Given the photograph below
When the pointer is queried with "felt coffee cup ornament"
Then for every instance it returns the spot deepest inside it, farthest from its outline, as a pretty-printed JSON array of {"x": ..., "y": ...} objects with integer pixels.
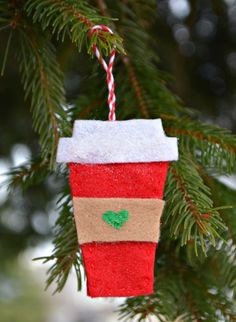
[{"x": 117, "y": 176}]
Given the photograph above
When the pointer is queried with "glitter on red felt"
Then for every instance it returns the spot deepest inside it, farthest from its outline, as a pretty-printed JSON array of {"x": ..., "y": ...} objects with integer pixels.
[
  {"x": 119, "y": 269},
  {"x": 127, "y": 180}
]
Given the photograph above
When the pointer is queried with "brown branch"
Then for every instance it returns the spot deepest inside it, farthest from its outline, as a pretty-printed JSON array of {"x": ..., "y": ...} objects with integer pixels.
[
  {"x": 129, "y": 67},
  {"x": 89, "y": 108},
  {"x": 44, "y": 82},
  {"x": 19, "y": 176},
  {"x": 192, "y": 307},
  {"x": 75, "y": 13},
  {"x": 200, "y": 136},
  {"x": 85, "y": 20},
  {"x": 136, "y": 86},
  {"x": 191, "y": 205},
  {"x": 103, "y": 8},
  {"x": 216, "y": 197},
  {"x": 68, "y": 260}
]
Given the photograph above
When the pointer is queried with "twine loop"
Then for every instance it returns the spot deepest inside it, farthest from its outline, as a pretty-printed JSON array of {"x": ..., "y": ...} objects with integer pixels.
[{"x": 108, "y": 68}]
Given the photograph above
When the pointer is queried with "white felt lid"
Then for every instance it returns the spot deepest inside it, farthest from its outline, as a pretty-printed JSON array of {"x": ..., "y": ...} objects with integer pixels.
[{"x": 117, "y": 142}]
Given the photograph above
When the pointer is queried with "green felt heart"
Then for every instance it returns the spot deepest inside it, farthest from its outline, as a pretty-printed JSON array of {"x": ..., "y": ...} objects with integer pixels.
[{"x": 116, "y": 219}]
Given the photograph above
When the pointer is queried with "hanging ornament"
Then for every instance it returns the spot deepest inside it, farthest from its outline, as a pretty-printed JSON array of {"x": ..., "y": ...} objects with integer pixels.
[{"x": 117, "y": 176}]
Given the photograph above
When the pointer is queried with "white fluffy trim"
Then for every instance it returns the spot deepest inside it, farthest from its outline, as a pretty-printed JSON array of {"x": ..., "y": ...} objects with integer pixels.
[{"x": 117, "y": 142}]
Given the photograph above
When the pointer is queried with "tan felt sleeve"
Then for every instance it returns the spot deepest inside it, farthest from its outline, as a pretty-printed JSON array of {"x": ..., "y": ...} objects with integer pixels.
[{"x": 143, "y": 223}]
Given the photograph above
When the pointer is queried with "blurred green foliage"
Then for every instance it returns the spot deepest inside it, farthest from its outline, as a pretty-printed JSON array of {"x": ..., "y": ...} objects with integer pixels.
[{"x": 20, "y": 296}]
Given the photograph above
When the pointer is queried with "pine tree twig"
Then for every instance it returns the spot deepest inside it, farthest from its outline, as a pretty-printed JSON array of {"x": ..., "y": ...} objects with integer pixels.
[
  {"x": 59, "y": 272},
  {"x": 65, "y": 7},
  {"x": 192, "y": 308},
  {"x": 43, "y": 81},
  {"x": 146, "y": 99},
  {"x": 6, "y": 53},
  {"x": 75, "y": 20},
  {"x": 192, "y": 206},
  {"x": 8, "y": 20},
  {"x": 136, "y": 87},
  {"x": 180, "y": 286},
  {"x": 83, "y": 19},
  {"x": 190, "y": 217},
  {"x": 213, "y": 183},
  {"x": 90, "y": 107},
  {"x": 46, "y": 91},
  {"x": 201, "y": 136},
  {"x": 213, "y": 147},
  {"x": 66, "y": 253},
  {"x": 187, "y": 202},
  {"x": 130, "y": 69},
  {"x": 27, "y": 175}
]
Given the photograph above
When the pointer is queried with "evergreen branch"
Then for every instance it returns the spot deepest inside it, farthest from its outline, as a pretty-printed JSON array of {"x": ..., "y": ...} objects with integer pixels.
[
  {"x": 130, "y": 70},
  {"x": 73, "y": 19},
  {"x": 189, "y": 210},
  {"x": 28, "y": 174},
  {"x": 5, "y": 13},
  {"x": 6, "y": 53},
  {"x": 145, "y": 86},
  {"x": 212, "y": 146},
  {"x": 136, "y": 87},
  {"x": 43, "y": 82},
  {"x": 8, "y": 20},
  {"x": 66, "y": 254},
  {"x": 222, "y": 192},
  {"x": 227, "y": 265},
  {"x": 181, "y": 286},
  {"x": 42, "y": 79},
  {"x": 182, "y": 289},
  {"x": 220, "y": 136}
]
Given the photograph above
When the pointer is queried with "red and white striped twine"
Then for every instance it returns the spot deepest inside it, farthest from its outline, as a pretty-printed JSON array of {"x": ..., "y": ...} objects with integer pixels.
[{"x": 108, "y": 68}]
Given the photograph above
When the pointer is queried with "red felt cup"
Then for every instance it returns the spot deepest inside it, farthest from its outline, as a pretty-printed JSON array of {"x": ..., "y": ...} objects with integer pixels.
[
  {"x": 125, "y": 160},
  {"x": 119, "y": 268},
  {"x": 121, "y": 180}
]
